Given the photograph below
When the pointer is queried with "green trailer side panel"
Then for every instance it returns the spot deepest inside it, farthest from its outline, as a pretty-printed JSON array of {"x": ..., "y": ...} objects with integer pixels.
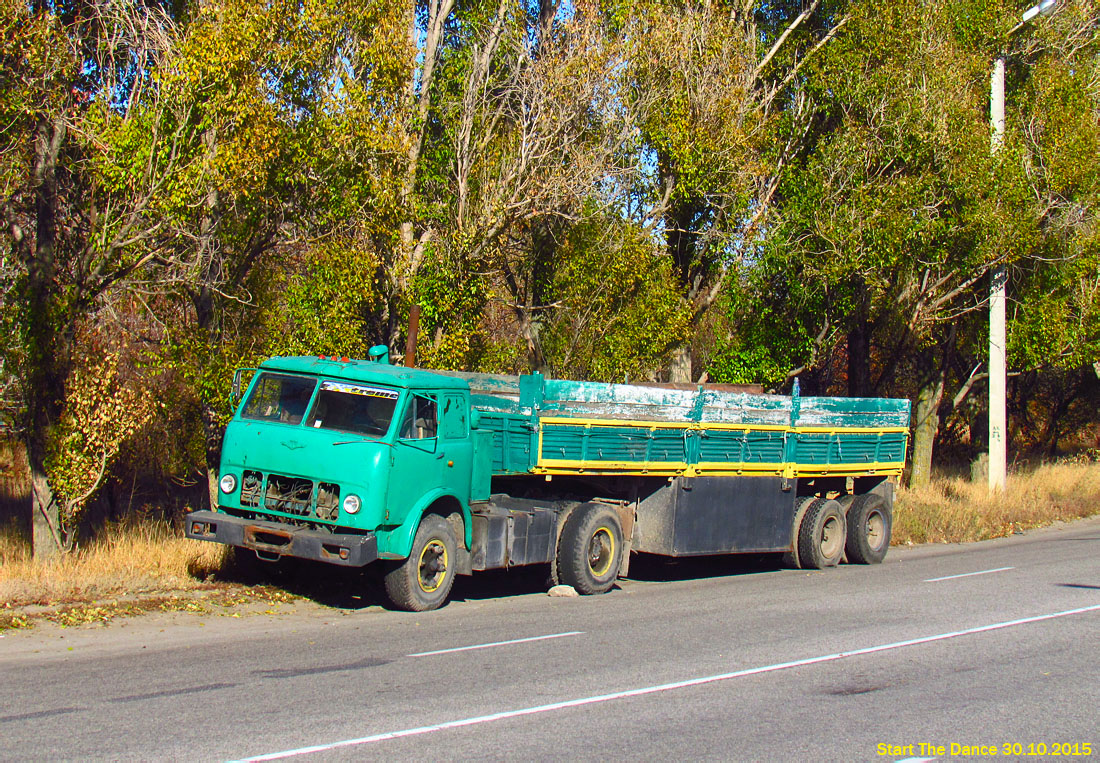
[
  {"x": 623, "y": 444},
  {"x": 742, "y": 446},
  {"x": 511, "y": 441},
  {"x": 847, "y": 447}
]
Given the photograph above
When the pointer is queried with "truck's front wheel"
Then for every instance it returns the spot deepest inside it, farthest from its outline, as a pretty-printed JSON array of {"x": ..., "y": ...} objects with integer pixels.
[
  {"x": 424, "y": 580},
  {"x": 591, "y": 548}
]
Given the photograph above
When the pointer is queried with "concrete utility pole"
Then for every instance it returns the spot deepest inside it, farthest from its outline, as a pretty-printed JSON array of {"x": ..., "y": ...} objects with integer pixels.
[
  {"x": 998, "y": 369},
  {"x": 998, "y": 280}
]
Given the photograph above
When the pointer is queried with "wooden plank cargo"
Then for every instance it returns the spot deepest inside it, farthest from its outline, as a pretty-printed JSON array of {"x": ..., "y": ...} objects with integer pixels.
[{"x": 558, "y": 427}]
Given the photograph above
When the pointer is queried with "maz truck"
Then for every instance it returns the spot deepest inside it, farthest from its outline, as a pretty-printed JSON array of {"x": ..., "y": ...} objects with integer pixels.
[{"x": 434, "y": 474}]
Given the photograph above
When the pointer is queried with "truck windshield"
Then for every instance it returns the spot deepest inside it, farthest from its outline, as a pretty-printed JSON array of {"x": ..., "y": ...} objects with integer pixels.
[
  {"x": 279, "y": 397},
  {"x": 353, "y": 408}
]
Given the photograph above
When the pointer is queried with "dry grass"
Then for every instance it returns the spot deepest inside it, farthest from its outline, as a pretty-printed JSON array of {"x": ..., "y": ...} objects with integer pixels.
[
  {"x": 130, "y": 570},
  {"x": 959, "y": 511},
  {"x": 125, "y": 561}
]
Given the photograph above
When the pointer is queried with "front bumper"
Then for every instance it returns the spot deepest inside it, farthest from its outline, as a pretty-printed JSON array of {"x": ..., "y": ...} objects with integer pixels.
[{"x": 278, "y": 539}]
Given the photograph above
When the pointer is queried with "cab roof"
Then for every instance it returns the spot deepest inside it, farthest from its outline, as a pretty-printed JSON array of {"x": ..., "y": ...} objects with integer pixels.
[{"x": 364, "y": 371}]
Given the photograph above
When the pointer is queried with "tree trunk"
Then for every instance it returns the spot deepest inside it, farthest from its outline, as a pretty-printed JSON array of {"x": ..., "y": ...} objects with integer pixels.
[
  {"x": 926, "y": 426},
  {"x": 679, "y": 369},
  {"x": 530, "y": 329},
  {"x": 212, "y": 487},
  {"x": 45, "y": 538},
  {"x": 1068, "y": 391},
  {"x": 859, "y": 343},
  {"x": 859, "y": 360},
  {"x": 50, "y": 333},
  {"x": 418, "y": 88},
  {"x": 213, "y": 433}
]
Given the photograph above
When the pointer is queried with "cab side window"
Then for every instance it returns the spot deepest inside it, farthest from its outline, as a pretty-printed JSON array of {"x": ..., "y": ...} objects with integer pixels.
[
  {"x": 420, "y": 422},
  {"x": 454, "y": 417}
]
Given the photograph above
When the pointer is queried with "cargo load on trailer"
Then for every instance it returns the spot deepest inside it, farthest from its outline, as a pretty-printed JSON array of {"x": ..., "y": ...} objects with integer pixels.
[{"x": 434, "y": 474}]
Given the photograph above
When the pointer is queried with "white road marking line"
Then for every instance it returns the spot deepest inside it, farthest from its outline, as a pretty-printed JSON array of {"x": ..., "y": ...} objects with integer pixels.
[
  {"x": 495, "y": 643},
  {"x": 661, "y": 687},
  {"x": 968, "y": 574}
]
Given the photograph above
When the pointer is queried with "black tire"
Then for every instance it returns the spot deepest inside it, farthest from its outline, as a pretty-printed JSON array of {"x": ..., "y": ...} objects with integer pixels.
[
  {"x": 845, "y": 502},
  {"x": 822, "y": 536},
  {"x": 869, "y": 524},
  {"x": 423, "y": 581},
  {"x": 790, "y": 558},
  {"x": 590, "y": 550}
]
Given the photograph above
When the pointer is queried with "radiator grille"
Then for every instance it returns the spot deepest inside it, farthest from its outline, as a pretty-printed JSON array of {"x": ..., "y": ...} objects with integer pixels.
[
  {"x": 290, "y": 495},
  {"x": 328, "y": 500},
  {"x": 252, "y": 484}
]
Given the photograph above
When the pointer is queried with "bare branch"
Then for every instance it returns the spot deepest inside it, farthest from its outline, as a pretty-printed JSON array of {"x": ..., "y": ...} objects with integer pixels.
[{"x": 783, "y": 38}]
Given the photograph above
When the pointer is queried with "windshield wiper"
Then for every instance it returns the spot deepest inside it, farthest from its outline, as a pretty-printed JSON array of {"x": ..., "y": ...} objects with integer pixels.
[{"x": 364, "y": 439}]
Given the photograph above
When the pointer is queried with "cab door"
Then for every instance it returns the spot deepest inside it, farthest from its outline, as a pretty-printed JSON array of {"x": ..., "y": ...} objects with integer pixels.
[
  {"x": 417, "y": 466},
  {"x": 455, "y": 444}
]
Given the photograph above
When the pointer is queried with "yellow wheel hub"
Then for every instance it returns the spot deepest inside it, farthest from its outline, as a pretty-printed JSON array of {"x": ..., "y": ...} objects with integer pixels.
[
  {"x": 432, "y": 566},
  {"x": 601, "y": 551}
]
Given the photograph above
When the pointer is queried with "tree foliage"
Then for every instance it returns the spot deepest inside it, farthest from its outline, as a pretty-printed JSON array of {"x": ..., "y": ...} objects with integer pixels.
[{"x": 623, "y": 189}]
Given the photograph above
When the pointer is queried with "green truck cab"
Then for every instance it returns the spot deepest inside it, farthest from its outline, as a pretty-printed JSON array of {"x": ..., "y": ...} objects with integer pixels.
[{"x": 433, "y": 474}]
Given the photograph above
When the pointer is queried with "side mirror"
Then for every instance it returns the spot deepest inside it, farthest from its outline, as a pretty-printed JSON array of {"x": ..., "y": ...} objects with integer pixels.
[{"x": 235, "y": 396}]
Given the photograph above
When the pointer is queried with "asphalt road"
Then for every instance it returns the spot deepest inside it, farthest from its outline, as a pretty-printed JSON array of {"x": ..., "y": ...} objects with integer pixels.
[{"x": 980, "y": 646}]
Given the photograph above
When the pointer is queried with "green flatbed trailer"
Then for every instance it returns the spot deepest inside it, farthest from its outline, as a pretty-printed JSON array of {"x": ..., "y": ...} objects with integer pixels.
[{"x": 438, "y": 473}]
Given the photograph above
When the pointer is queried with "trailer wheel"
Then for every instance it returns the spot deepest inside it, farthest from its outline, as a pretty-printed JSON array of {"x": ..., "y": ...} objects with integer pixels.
[
  {"x": 424, "y": 580},
  {"x": 821, "y": 536},
  {"x": 869, "y": 525},
  {"x": 590, "y": 550},
  {"x": 790, "y": 558},
  {"x": 845, "y": 502}
]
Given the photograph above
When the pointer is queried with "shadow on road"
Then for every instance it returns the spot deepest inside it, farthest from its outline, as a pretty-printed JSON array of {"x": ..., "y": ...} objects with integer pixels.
[
  {"x": 496, "y": 584},
  {"x": 326, "y": 584},
  {"x": 649, "y": 567},
  {"x": 357, "y": 589}
]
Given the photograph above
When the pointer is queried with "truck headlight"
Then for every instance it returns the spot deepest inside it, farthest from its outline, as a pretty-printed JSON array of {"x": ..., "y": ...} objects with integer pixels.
[
  {"x": 352, "y": 504},
  {"x": 228, "y": 483}
]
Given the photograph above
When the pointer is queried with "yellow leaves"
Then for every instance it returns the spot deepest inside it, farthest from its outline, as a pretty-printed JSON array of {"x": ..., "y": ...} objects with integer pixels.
[
  {"x": 68, "y": 617},
  {"x": 14, "y": 621},
  {"x": 275, "y": 87},
  {"x": 39, "y": 63},
  {"x": 706, "y": 123},
  {"x": 101, "y": 415}
]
